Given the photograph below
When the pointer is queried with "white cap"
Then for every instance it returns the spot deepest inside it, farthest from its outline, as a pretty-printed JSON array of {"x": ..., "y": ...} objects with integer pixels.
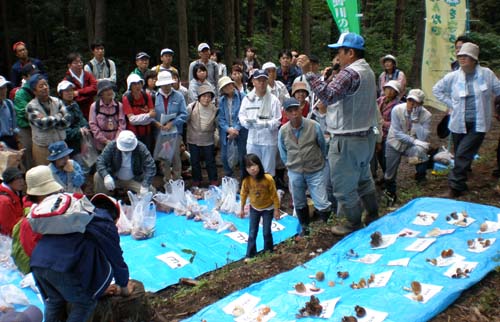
[
  {"x": 166, "y": 51},
  {"x": 164, "y": 78},
  {"x": 394, "y": 84},
  {"x": 132, "y": 79},
  {"x": 417, "y": 95},
  {"x": 202, "y": 46},
  {"x": 388, "y": 57},
  {"x": 269, "y": 64},
  {"x": 64, "y": 85},
  {"x": 3, "y": 81}
]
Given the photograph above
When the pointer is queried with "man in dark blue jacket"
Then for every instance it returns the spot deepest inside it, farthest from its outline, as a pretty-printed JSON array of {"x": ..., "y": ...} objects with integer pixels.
[{"x": 77, "y": 268}]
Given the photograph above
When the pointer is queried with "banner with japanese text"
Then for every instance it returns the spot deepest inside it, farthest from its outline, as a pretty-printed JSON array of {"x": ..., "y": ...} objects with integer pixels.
[
  {"x": 345, "y": 13},
  {"x": 445, "y": 21}
]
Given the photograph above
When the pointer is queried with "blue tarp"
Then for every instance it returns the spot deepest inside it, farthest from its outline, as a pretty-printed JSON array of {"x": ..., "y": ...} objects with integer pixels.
[
  {"x": 274, "y": 292},
  {"x": 175, "y": 234}
]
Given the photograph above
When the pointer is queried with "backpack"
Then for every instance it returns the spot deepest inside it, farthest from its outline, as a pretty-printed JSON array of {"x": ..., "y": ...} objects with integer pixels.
[{"x": 61, "y": 213}]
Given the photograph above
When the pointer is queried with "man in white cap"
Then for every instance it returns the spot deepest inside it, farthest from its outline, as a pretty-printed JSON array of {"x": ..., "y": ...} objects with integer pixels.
[
  {"x": 212, "y": 67},
  {"x": 468, "y": 93},
  {"x": 260, "y": 113},
  {"x": 277, "y": 87},
  {"x": 166, "y": 57},
  {"x": 351, "y": 122},
  {"x": 409, "y": 136},
  {"x": 125, "y": 163}
]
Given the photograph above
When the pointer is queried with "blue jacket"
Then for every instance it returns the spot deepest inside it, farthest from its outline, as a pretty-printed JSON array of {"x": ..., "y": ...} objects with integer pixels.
[
  {"x": 223, "y": 117},
  {"x": 176, "y": 105},
  {"x": 15, "y": 72},
  {"x": 96, "y": 255}
]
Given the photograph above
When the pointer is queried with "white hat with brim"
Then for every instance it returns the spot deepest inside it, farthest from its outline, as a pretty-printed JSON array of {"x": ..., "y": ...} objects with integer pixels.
[
  {"x": 126, "y": 141},
  {"x": 417, "y": 95},
  {"x": 41, "y": 182},
  {"x": 203, "y": 46},
  {"x": 394, "y": 84},
  {"x": 388, "y": 57},
  {"x": 165, "y": 78},
  {"x": 134, "y": 78},
  {"x": 268, "y": 65},
  {"x": 3, "y": 82},
  {"x": 64, "y": 85},
  {"x": 469, "y": 49},
  {"x": 223, "y": 81}
]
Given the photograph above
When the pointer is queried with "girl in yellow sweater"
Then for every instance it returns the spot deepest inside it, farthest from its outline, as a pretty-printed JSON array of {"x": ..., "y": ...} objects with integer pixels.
[{"x": 264, "y": 202}]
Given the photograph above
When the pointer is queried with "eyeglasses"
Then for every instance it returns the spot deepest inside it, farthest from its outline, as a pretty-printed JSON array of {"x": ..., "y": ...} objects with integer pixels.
[{"x": 77, "y": 63}]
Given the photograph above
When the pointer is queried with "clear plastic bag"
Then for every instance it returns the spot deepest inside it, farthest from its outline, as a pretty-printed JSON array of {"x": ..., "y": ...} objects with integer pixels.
[
  {"x": 165, "y": 146},
  {"x": 144, "y": 215},
  {"x": 443, "y": 156},
  {"x": 229, "y": 190},
  {"x": 88, "y": 152},
  {"x": 124, "y": 223},
  {"x": 12, "y": 294},
  {"x": 232, "y": 153},
  {"x": 173, "y": 198}
]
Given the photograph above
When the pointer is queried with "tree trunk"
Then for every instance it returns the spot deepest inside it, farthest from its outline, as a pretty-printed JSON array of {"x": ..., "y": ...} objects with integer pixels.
[
  {"x": 419, "y": 48},
  {"x": 286, "y": 24},
  {"x": 250, "y": 18},
  {"x": 229, "y": 33},
  {"x": 5, "y": 30},
  {"x": 237, "y": 22},
  {"x": 269, "y": 16},
  {"x": 398, "y": 24},
  {"x": 365, "y": 10},
  {"x": 183, "y": 39},
  {"x": 66, "y": 14},
  {"x": 211, "y": 23},
  {"x": 100, "y": 20},
  {"x": 89, "y": 19},
  {"x": 306, "y": 28}
]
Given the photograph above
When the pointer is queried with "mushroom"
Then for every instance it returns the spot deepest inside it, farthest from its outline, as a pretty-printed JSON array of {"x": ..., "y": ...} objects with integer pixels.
[
  {"x": 376, "y": 239},
  {"x": 300, "y": 287},
  {"x": 320, "y": 276},
  {"x": 343, "y": 275},
  {"x": 447, "y": 253},
  {"x": 349, "y": 319},
  {"x": 483, "y": 227},
  {"x": 416, "y": 287},
  {"x": 360, "y": 311}
]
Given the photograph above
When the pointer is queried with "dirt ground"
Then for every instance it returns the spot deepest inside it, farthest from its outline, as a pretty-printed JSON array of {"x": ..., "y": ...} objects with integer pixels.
[{"x": 480, "y": 303}]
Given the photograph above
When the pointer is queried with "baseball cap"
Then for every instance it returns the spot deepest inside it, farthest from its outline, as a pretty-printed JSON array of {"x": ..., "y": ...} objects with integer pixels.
[
  {"x": 166, "y": 51},
  {"x": 142, "y": 55},
  {"x": 203, "y": 46},
  {"x": 290, "y": 102},
  {"x": 260, "y": 73},
  {"x": 349, "y": 40}
]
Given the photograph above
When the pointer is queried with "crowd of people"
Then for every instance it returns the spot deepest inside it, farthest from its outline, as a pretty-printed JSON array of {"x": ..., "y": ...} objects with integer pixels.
[{"x": 329, "y": 130}]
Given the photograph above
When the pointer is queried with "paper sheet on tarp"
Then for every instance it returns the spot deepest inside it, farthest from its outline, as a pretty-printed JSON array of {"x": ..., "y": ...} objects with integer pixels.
[
  {"x": 440, "y": 290},
  {"x": 176, "y": 233}
]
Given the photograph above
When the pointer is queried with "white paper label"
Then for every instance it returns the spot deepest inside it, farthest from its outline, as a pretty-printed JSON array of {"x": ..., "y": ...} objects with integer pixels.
[
  {"x": 247, "y": 302},
  {"x": 173, "y": 260},
  {"x": 399, "y": 262},
  {"x": 420, "y": 244},
  {"x": 238, "y": 236},
  {"x": 368, "y": 258},
  {"x": 428, "y": 291}
]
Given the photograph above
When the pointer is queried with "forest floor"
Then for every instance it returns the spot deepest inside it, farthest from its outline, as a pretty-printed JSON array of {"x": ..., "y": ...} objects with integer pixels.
[{"x": 479, "y": 303}]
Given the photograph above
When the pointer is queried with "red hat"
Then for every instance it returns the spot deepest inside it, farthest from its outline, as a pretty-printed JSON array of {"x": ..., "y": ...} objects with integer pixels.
[{"x": 19, "y": 43}]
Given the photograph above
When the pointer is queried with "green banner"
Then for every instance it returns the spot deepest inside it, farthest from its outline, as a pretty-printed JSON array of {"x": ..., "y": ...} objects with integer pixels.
[{"x": 345, "y": 13}]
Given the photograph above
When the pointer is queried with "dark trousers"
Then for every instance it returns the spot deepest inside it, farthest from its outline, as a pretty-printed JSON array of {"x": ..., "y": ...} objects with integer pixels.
[
  {"x": 253, "y": 230},
  {"x": 378, "y": 158},
  {"x": 465, "y": 148},
  {"x": 208, "y": 154},
  {"x": 58, "y": 289}
]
